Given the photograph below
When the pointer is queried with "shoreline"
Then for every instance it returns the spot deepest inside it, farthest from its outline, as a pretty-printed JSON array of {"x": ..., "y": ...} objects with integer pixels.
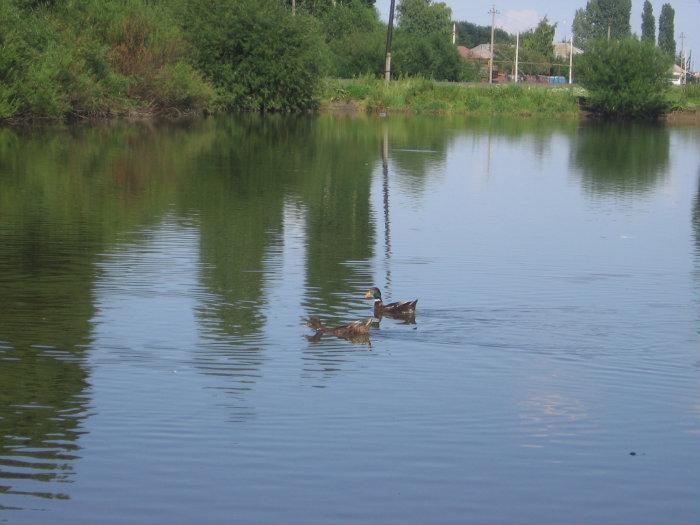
[{"x": 348, "y": 107}]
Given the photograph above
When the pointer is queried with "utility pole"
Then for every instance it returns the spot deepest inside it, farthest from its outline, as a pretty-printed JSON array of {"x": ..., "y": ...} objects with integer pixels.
[
  {"x": 454, "y": 33},
  {"x": 294, "y": 7},
  {"x": 683, "y": 74},
  {"x": 608, "y": 32},
  {"x": 571, "y": 59},
  {"x": 389, "y": 36},
  {"x": 517, "y": 51},
  {"x": 493, "y": 27}
]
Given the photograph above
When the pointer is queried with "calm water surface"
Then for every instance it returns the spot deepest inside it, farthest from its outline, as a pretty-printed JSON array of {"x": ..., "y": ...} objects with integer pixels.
[{"x": 155, "y": 279}]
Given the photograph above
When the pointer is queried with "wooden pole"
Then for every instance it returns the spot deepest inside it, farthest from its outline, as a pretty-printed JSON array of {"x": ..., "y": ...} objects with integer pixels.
[
  {"x": 517, "y": 51},
  {"x": 389, "y": 36},
  {"x": 493, "y": 27},
  {"x": 571, "y": 59}
]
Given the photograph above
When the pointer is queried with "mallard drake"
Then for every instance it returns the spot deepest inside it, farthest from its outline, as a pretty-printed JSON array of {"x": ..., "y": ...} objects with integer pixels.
[
  {"x": 397, "y": 309},
  {"x": 345, "y": 330}
]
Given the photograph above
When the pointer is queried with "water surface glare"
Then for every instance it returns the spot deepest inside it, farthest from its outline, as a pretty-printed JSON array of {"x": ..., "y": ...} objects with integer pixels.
[{"x": 155, "y": 280}]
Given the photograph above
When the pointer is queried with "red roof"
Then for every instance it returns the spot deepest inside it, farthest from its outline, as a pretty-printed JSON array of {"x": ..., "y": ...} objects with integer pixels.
[{"x": 464, "y": 52}]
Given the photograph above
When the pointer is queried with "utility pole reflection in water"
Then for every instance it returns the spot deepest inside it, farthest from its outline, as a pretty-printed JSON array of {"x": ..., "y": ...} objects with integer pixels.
[
  {"x": 488, "y": 153},
  {"x": 385, "y": 193}
]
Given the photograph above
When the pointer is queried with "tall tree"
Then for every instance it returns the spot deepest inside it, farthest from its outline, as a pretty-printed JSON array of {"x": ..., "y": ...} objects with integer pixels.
[
  {"x": 648, "y": 23},
  {"x": 424, "y": 17},
  {"x": 614, "y": 16},
  {"x": 667, "y": 41},
  {"x": 471, "y": 35},
  {"x": 423, "y": 44},
  {"x": 582, "y": 28},
  {"x": 540, "y": 39},
  {"x": 601, "y": 18},
  {"x": 320, "y": 7}
]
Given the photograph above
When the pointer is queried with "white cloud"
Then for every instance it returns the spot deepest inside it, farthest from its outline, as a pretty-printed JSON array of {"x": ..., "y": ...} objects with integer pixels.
[{"x": 514, "y": 20}]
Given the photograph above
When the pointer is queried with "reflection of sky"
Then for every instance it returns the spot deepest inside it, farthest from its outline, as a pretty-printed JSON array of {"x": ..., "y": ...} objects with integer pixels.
[{"x": 556, "y": 333}]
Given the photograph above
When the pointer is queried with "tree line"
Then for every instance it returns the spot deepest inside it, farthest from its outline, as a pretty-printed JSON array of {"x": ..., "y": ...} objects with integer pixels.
[
  {"x": 92, "y": 58},
  {"x": 610, "y": 19}
]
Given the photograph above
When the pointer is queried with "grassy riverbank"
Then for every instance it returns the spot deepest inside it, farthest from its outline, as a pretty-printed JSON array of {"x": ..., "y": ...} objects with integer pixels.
[
  {"x": 426, "y": 96},
  {"x": 415, "y": 95},
  {"x": 685, "y": 98}
]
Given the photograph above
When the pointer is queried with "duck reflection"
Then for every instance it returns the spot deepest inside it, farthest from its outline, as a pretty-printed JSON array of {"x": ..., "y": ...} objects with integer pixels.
[
  {"x": 405, "y": 318},
  {"x": 356, "y": 332}
]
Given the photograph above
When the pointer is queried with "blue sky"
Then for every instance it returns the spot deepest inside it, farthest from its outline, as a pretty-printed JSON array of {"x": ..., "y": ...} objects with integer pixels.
[{"x": 522, "y": 14}]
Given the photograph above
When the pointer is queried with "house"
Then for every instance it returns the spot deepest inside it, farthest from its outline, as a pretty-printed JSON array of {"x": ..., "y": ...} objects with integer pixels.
[
  {"x": 563, "y": 49},
  {"x": 676, "y": 75},
  {"x": 465, "y": 53},
  {"x": 482, "y": 51}
]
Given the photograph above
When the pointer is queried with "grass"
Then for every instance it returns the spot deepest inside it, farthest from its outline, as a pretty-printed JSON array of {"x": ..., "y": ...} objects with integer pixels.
[
  {"x": 686, "y": 97},
  {"x": 417, "y": 95}
]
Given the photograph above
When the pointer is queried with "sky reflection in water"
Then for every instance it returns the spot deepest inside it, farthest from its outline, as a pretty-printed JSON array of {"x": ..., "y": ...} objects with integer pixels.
[{"x": 156, "y": 280}]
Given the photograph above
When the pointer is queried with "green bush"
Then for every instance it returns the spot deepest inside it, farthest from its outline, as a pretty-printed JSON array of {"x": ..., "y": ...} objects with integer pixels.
[
  {"x": 355, "y": 38},
  {"x": 422, "y": 95},
  {"x": 258, "y": 56},
  {"x": 625, "y": 78},
  {"x": 87, "y": 58},
  {"x": 431, "y": 56},
  {"x": 470, "y": 71},
  {"x": 179, "y": 85}
]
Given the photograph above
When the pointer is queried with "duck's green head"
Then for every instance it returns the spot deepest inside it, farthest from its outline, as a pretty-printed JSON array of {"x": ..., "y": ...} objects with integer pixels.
[{"x": 373, "y": 293}]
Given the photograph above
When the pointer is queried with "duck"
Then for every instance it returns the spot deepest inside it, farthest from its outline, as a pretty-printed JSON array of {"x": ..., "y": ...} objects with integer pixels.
[
  {"x": 397, "y": 309},
  {"x": 355, "y": 328}
]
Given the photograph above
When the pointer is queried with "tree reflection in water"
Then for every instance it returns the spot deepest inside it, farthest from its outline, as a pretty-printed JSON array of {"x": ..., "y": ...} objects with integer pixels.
[{"x": 620, "y": 158}]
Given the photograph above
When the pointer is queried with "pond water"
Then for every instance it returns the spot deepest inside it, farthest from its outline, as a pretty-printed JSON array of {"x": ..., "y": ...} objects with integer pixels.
[{"x": 155, "y": 281}]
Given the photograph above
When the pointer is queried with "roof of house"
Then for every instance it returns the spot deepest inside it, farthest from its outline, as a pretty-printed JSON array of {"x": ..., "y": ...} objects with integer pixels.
[
  {"x": 464, "y": 52},
  {"x": 481, "y": 51},
  {"x": 562, "y": 49}
]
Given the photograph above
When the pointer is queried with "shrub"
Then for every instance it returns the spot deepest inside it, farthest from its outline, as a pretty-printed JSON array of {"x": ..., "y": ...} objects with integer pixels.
[
  {"x": 355, "y": 37},
  {"x": 179, "y": 85},
  {"x": 93, "y": 58},
  {"x": 625, "y": 78},
  {"x": 431, "y": 56},
  {"x": 469, "y": 71},
  {"x": 256, "y": 53}
]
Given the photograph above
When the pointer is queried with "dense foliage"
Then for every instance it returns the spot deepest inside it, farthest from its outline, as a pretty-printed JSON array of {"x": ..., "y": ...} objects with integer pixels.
[
  {"x": 540, "y": 39},
  {"x": 423, "y": 43},
  {"x": 625, "y": 78},
  {"x": 426, "y": 96},
  {"x": 667, "y": 41},
  {"x": 356, "y": 39},
  {"x": 648, "y": 23},
  {"x": 471, "y": 35},
  {"x": 257, "y": 54},
  {"x": 601, "y": 18},
  {"x": 89, "y": 58}
]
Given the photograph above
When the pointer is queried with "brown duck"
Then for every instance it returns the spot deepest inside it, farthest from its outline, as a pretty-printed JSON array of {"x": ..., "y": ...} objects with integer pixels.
[
  {"x": 397, "y": 309},
  {"x": 345, "y": 330}
]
